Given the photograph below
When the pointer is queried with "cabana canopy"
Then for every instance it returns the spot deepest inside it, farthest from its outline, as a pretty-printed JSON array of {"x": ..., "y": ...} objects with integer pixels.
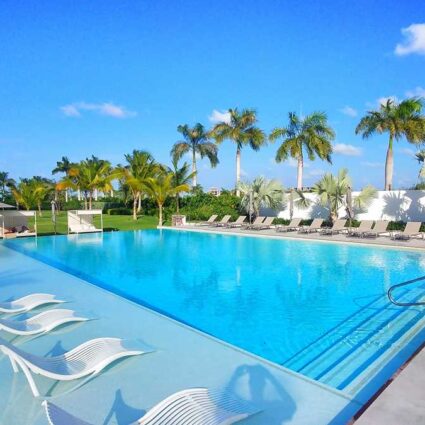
[
  {"x": 4, "y": 206},
  {"x": 15, "y": 223},
  {"x": 81, "y": 221}
]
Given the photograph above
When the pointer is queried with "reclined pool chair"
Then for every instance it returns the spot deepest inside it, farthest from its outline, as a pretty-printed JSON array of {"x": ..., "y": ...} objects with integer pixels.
[
  {"x": 412, "y": 229},
  {"x": 209, "y": 221},
  {"x": 238, "y": 223},
  {"x": 365, "y": 226},
  {"x": 257, "y": 221},
  {"x": 27, "y": 303},
  {"x": 379, "y": 229},
  {"x": 85, "y": 361},
  {"x": 292, "y": 226},
  {"x": 193, "y": 406},
  {"x": 222, "y": 222},
  {"x": 40, "y": 323},
  {"x": 338, "y": 227},
  {"x": 266, "y": 224},
  {"x": 315, "y": 226}
]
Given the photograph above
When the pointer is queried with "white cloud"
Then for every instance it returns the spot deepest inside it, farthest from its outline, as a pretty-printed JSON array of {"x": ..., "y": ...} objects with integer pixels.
[
  {"x": 292, "y": 162},
  {"x": 315, "y": 173},
  {"x": 108, "y": 109},
  {"x": 416, "y": 92},
  {"x": 383, "y": 100},
  {"x": 349, "y": 111},
  {"x": 348, "y": 150},
  {"x": 407, "y": 151},
  {"x": 244, "y": 173},
  {"x": 413, "y": 42},
  {"x": 372, "y": 164},
  {"x": 219, "y": 116}
]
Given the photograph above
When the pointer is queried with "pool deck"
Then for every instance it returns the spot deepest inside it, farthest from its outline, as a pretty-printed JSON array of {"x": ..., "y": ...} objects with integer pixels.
[
  {"x": 182, "y": 358},
  {"x": 384, "y": 241}
]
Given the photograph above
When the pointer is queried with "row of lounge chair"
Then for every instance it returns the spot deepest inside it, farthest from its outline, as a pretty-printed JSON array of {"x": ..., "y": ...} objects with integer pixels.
[
  {"x": 194, "y": 405},
  {"x": 366, "y": 229}
]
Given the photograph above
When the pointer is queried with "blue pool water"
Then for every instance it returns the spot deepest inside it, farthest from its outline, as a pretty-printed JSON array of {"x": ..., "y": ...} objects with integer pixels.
[{"x": 319, "y": 309}]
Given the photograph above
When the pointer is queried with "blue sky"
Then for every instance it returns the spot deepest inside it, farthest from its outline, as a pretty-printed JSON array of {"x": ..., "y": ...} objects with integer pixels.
[{"x": 105, "y": 77}]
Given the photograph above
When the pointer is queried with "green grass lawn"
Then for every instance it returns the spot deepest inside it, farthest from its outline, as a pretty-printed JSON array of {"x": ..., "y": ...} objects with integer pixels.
[{"x": 45, "y": 225}]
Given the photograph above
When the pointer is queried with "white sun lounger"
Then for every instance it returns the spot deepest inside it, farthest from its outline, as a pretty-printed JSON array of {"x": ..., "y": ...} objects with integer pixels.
[
  {"x": 379, "y": 229},
  {"x": 412, "y": 229},
  {"x": 338, "y": 227},
  {"x": 365, "y": 226},
  {"x": 40, "y": 323},
  {"x": 86, "y": 360},
  {"x": 257, "y": 221},
  {"x": 27, "y": 303},
  {"x": 293, "y": 225},
  {"x": 210, "y": 221},
  {"x": 238, "y": 223},
  {"x": 266, "y": 224},
  {"x": 222, "y": 222},
  {"x": 315, "y": 226},
  {"x": 195, "y": 406}
]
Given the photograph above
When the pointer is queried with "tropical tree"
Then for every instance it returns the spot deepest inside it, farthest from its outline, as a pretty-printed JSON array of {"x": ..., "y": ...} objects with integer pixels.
[
  {"x": 420, "y": 156},
  {"x": 311, "y": 136},
  {"x": 24, "y": 195},
  {"x": 240, "y": 129},
  {"x": 404, "y": 119},
  {"x": 181, "y": 176},
  {"x": 5, "y": 183},
  {"x": 42, "y": 187},
  {"x": 196, "y": 142},
  {"x": 140, "y": 166},
  {"x": 89, "y": 175},
  {"x": 334, "y": 192},
  {"x": 161, "y": 187},
  {"x": 63, "y": 166},
  {"x": 261, "y": 193}
]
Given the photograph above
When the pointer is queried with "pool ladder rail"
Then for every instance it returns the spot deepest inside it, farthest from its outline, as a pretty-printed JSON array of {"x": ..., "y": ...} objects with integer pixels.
[{"x": 399, "y": 285}]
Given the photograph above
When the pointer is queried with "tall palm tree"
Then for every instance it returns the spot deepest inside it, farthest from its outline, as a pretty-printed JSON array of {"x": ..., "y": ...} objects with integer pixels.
[
  {"x": 399, "y": 120},
  {"x": 241, "y": 130},
  {"x": 63, "y": 166},
  {"x": 420, "y": 156},
  {"x": 311, "y": 135},
  {"x": 5, "y": 182},
  {"x": 140, "y": 166},
  {"x": 161, "y": 187},
  {"x": 196, "y": 141},
  {"x": 332, "y": 192},
  {"x": 181, "y": 175},
  {"x": 89, "y": 175}
]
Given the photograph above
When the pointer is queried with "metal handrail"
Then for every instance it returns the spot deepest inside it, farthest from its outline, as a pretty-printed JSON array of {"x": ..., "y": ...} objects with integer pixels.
[{"x": 398, "y": 285}]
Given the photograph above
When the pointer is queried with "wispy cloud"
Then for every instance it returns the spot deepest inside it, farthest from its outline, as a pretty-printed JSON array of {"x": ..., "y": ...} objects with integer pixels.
[
  {"x": 372, "y": 164},
  {"x": 108, "y": 109},
  {"x": 413, "y": 40},
  {"x": 416, "y": 92},
  {"x": 219, "y": 116},
  {"x": 348, "y": 150},
  {"x": 292, "y": 162},
  {"x": 383, "y": 100},
  {"x": 407, "y": 151},
  {"x": 349, "y": 111}
]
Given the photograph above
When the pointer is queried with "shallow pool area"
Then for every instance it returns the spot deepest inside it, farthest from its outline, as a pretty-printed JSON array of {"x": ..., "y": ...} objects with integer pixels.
[{"x": 318, "y": 309}]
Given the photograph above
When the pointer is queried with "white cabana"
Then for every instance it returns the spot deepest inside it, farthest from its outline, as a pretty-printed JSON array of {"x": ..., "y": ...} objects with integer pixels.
[
  {"x": 15, "y": 223},
  {"x": 81, "y": 221}
]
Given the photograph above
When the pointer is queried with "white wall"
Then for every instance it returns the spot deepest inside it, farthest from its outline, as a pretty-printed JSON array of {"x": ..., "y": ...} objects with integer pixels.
[{"x": 394, "y": 205}]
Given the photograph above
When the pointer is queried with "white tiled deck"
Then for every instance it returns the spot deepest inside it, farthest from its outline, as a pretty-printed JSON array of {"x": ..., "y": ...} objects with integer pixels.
[{"x": 183, "y": 358}]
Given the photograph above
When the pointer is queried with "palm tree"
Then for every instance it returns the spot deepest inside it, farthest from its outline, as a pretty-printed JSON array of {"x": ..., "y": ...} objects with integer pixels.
[
  {"x": 161, "y": 187},
  {"x": 332, "y": 192},
  {"x": 42, "y": 187},
  {"x": 5, "y": 182},
  {"x": 24, "y": 194},
  {"x": 242, "y": 131},
  {"x": 196, "y": 141},
  {"x": 89, "y": 175},
  {"x": 399, "y": 120},
  {"x": 261, "y": 193},
  {"x": 181, "y": 176},
  {"x": 140, "y": 166},
  {"x": 311, "y": 134},
  {"x": 63, "y": 166},
  {"x": 420, "y": 156}
]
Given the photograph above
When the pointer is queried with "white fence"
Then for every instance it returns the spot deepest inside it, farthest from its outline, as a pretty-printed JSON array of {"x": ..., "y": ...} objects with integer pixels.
[{"x": 394, "y": 205}]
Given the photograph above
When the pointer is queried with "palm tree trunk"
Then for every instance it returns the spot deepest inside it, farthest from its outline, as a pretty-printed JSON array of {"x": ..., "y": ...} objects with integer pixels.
[
  {"x": 90, "y": 199},
  {"x": 96, "y": 195},
  {"x": 238, "y": 170},
  {"x": 135, "y": 208},
  {"x": 79, "y": 194},
  {"x": 39, "y": 208},
  {"x": 389, "y": 165},
  {"x": 194, "y": 170},
  {"x": 139, "y": 202},
  {"x": 300, "y": 172},
  {"x": 177, "y": 203},
  {"x": 160, "y": 215},
  {"x": 66, "y": 195}
]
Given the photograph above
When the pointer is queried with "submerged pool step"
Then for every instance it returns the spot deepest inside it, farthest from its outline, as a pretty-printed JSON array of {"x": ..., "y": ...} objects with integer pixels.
[{"x": 335, "y": 360}]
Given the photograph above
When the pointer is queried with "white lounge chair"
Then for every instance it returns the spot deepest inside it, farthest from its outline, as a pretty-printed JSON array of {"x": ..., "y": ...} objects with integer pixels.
[
  {"x": 293, "y": 225},
  {"x": 28, "y": 303},
  {"x": 195, "y": 406},
  {"x": 412, "y": 229},
  {"x": 222, "y": 222},
  {"x": 40, "y": 323},
  {"x": 379, "y": 229},
  {"x": 210, "y": 221},
  {"x": 365, "y": 226},
  {"x": 315, "y": 226},
  {"x": 84, "y": 361},
  {"x": 257, "y": 221},
  {"x": 238, "y": 223},
  {"x": 337, "y": 227},
  {"x": 266, "y": 224}
]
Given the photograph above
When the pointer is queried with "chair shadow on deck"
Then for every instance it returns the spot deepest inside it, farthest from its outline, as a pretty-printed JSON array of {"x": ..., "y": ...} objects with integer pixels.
[
  {"x": 124, "y": 413},
  {"x": 265, "y": 392}
]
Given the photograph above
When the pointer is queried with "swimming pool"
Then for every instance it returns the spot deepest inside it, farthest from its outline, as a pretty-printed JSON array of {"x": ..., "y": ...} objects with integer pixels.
[{"x": 316, "y": 308}]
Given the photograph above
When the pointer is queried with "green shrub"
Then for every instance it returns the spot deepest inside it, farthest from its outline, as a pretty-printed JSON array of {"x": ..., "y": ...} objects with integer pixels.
[{"x": 120, "y": 211}]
